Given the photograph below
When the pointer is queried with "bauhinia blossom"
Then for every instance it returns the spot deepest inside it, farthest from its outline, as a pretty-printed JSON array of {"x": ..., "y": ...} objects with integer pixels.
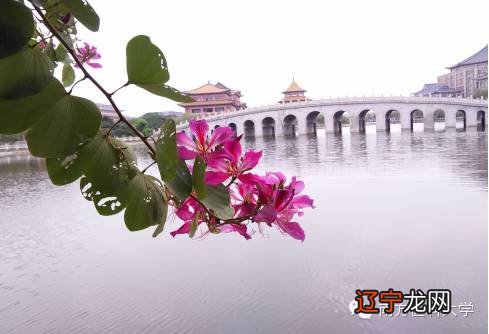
[
  {"x": 87, "y": 54},
  {"x": 257, "y": 201}
]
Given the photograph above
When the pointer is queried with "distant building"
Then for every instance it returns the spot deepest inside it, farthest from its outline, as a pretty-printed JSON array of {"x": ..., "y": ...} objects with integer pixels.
[
  {"x": 466, "y": 78},
  {"x": 107, "y": 111},
  {"x": 294, "y": 93},
  {"x": 435, "y": 89},
  {"x": 213, "y": 98}
]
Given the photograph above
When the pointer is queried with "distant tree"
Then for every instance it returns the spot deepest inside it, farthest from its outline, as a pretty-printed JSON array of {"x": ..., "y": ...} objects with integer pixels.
[
  {"x": 140, "y": 124},
  {"x": 154, "y": 119},
  {"x": 480, "y": 93},
  {"x": 106, "y": 122}
]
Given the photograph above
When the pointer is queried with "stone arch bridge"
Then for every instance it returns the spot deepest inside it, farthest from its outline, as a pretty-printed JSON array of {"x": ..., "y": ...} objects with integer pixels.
[{"x": 307, "y": 117}]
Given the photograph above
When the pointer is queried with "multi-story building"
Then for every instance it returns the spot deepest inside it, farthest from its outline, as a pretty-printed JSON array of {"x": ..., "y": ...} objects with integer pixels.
[
  {"x": 466, "y": 78},
  {"x": 213, "y": 98},
  {"x": 294, "y": 93}
]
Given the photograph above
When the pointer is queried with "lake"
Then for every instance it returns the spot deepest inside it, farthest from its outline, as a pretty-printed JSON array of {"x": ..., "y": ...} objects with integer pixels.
[{"x": 401, "y": 210}]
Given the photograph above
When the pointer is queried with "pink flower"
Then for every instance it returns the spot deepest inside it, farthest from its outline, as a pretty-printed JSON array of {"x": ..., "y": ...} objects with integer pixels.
[
  {"x": 86, "y": 54},
  {"x": 282, "y": 203},
  {"x": 255, "y": 199},
  {"x": 231, "y": 163},
  {"x": 204, "y": 146},
  {"x": 238, "y": 228},
  {"x": 244, "y": 196}
]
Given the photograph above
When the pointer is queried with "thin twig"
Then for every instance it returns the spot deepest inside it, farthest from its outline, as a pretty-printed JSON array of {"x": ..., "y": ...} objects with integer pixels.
[
  {"x": 151, "y": 164},
  {"x": 124, "y": 85},
  {"x": 113, "y": 126},
  {"x": 76, "y": 83}
]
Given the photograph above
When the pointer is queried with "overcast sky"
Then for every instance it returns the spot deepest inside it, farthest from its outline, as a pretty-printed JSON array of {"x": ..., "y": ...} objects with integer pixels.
[{"x": 332, "y": 48}]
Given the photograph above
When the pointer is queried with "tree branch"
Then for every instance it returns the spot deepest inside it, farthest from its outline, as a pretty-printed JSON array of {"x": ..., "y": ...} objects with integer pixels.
[{"x": 92, "y": 79}]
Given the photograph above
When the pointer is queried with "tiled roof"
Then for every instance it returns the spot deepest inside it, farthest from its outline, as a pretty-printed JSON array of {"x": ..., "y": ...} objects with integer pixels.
[
  {"x": 208, "y": 88},
  {"x": 478, "y": 57},
  {"x": 210, "y": 103},
  {"x": 294, "y": 87},
  {"x": 434, "y": 88}
]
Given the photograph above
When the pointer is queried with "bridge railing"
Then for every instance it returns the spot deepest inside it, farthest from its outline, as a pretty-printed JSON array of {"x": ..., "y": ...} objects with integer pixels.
[{"x": 213, "y": 116}]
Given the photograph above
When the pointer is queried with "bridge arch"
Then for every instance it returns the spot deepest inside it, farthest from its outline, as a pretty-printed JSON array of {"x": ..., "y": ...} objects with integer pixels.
[
  {"x": 439, "y": 120},
  {"x": 290, "y": 125},
  {"x": 364, "y": 117},
  {"x": 268, "y": 126},
  {"x": 461, "y": 119},
  {"x": 341, "y": 119},
  {"x": 417, "y": 116},
  {"x": 439, "y": 116},
  {"x": 249, "y": 128},
  {"x": 481, "y": 120},
  {"x": 233, "y": 127},
  {"x": 313, "y": 119},
  {"x": 392, "y": 116}
]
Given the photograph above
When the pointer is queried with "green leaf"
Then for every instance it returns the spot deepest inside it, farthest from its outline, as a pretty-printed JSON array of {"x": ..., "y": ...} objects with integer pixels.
[
  {"x": 84, "y": 13},
  {"x": 198, "y": 177},
  {"x": 193, "y": 227},
  {"x": 166, "y": 91},
  {"x": 166, "y": 150},
  {"x": 110, "y": 164},
  {"x": 65, "y": 170},
  {"x": 68, "y": 124},
  {"x": 105, "y": 203},
  {"x": 218, "y": 199},
  {"x": 146, "y": 64},
  {"x": 17, "y": 115},
  {"x": 146, "y": 203},
  {"x": 68, "y": 75},
  {"x": 24, "y": 73},
  {"x": 50, "y": 52},
  {"x": 181, "y": 185},
  {"x": 61, "y": 53},
  {"x": 16, "y": 27},
  {"x": 159, "y": 229}
]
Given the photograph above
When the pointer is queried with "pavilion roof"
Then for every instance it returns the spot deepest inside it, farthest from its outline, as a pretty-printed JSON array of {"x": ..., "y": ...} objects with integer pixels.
[
  {"x": 209, "y": 88},
  {"x": 294, "y": 87}
]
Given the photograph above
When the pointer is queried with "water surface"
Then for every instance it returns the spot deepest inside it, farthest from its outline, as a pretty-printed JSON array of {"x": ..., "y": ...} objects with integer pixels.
[{"x": 393, "y": 211}]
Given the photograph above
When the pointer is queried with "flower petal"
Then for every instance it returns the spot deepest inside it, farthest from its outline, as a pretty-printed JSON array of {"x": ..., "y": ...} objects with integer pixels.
[
  {"x": 184, "y": 140},
  {"x": 217, "y": 161},
  {"x": 215, "y": 178},
  {"x": 199, "y": 129},
  {"x": 241, "y": 229},
  {"x": 233, "y": 149},
  {"x": 282, "y": 199},
  {"x": 250, "y": 160},
  {"x": 220, "y": 136},
  {"x": 186, "y": 154},
  {"x": 94, "y": 65},
  {"x": 302, "y": 201},
  {"x": 184, "y": 229},
  {"x": 294, "y": 230},
  {"x": 267, "y": 214}
]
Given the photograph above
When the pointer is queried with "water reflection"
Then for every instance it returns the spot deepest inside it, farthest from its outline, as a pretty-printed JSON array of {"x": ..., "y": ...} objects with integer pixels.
[{"x": 402, "y": 210}]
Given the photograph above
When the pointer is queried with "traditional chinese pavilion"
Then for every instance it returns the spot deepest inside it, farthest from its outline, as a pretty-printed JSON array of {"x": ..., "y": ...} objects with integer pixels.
[
  {"x": 294, "y": 93},
  {"x": 213, "y": 98}
]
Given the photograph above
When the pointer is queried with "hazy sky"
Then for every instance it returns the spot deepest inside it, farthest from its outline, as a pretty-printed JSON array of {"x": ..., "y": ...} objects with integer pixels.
[{"x": 332, "y": 48}]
